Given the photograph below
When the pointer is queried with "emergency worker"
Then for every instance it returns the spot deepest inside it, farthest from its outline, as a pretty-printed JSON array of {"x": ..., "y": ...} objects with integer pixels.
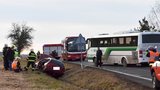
[
  {"x": 16, "y": 54},
  {"x": 31, "y": 60},
  {"x": 54, "y": 54},
  {"x": 152, "y": 53},
  {"x": 16, "y": 65}
]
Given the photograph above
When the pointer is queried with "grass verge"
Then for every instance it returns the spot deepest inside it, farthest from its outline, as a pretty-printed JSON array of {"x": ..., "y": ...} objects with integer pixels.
[{"x": 77, "y": 79}]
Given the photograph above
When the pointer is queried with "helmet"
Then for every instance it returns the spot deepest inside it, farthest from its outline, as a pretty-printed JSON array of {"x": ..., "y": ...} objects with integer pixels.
[
  {"x": 17, "y": 58},
  {"x": 32, "y": 49},
  {"x": 13, "y": 46},
  {"x": 5, "y": 45},
  {"x": 151, "y": 48},
  {"x": 155, "y": 47}
]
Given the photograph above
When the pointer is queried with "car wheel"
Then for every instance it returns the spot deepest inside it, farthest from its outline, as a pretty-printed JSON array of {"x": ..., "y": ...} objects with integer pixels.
[{"x": 155, "y": 82}]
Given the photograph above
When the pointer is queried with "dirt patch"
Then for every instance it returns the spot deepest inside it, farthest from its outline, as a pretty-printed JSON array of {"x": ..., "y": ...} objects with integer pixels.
[{"x": 10, "y": 80}]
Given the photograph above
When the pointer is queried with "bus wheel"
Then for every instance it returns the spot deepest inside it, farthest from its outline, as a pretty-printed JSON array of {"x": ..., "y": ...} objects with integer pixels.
[
  {"x": 124, "y": 63},
  {"x": 155, "y": 82}
]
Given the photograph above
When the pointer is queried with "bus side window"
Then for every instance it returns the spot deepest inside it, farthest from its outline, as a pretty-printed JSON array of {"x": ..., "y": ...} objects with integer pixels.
[
  {"x": 133, "y": 42},
  {"x": 121, "y": 41},
  {"x": 114, "y": 40},
  {"x": 109, "y": 42},
  {"x": 128, "y": 40}
]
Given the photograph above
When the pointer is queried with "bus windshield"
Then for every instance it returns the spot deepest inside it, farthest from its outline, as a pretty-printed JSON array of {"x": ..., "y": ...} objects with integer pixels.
[
  {"x": 151, "y": 38},
  {"x": 73, "y": 47}
]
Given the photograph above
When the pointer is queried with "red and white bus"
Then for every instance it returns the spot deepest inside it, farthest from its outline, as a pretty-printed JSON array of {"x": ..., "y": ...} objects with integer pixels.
[
  {"x": 72, "y": 51},
  {"x": 48, "y": 48}
]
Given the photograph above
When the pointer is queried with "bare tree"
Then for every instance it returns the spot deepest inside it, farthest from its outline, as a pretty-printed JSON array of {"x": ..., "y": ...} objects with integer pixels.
[
  {"x": 144, "y": 25},
  {"x": 154, "y": 17},
  {"x": 20, "y": 36}
]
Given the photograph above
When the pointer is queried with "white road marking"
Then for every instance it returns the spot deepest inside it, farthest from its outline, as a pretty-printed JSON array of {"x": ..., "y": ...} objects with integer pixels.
[{"x": 127, "y": 74}]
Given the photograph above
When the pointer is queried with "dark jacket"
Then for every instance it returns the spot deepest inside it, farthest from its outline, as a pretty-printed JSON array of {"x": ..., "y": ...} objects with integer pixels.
[
  {"x": 32, "y": 56},
  {"x": 5, "y": 50},
  {"x": 99, "y": 54},
  {"x": 10, "y": 54}
]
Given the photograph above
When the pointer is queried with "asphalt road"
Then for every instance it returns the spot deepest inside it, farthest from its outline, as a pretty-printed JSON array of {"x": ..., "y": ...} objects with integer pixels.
[{"x": 138, "y": 74}]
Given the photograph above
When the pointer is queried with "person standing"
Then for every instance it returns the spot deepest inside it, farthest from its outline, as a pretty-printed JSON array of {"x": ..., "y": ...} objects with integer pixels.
[
  {"x": 31, "y": 60},
  {"x": 38, "y": 55},
  {"x": 99, "y": 57},
  {"x": 54, "y": 54},
  {"x": 16, "y": 54},
  {"x": 10, "y": 56},
  {"x": 5, "y": 60}
]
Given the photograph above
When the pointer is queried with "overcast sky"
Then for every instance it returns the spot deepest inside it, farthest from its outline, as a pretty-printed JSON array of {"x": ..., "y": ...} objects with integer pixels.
[{"x": 53, "y": 20}]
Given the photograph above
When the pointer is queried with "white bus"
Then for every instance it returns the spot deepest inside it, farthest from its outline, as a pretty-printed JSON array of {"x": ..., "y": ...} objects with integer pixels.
[{"x": 123, "y": 49}]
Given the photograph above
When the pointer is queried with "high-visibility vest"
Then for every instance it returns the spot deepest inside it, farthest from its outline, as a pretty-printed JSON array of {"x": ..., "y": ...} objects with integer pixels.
[
  {"x": 32, "y": 57},
  {"x": 14, "y": 64},
  {"x": 16, "y": 54},
  {"x": 152, "y": 56}
]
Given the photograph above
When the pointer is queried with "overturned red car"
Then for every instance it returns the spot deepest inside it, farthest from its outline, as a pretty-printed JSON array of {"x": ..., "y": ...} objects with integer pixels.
[{"x": 51, "y": 66}]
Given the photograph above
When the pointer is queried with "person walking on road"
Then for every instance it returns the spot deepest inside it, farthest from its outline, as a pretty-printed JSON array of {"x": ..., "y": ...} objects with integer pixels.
[
  {"x": 5, "y": 60},
  {"x": 31, "y": 60},
  {"x": 99, "y": 57}
]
